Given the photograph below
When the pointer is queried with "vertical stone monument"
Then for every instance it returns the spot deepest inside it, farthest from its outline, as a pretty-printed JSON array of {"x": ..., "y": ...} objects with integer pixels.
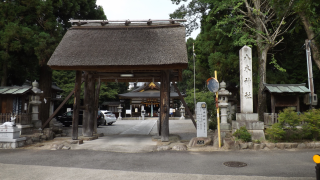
[
  {"x": 247, "y": 118},
  {"x": 202, "y": 121}
]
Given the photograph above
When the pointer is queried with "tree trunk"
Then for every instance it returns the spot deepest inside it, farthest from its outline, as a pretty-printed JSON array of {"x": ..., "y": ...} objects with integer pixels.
[
  {"x": 310, "y": 34},
  {"x": 4, "y": 74},
  {"x": 45, "y": 84},
  {"x": 262, "y": 79}
]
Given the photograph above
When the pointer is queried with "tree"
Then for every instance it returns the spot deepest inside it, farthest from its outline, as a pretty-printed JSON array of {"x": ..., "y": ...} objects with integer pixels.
[
  {"x": 253, "y": 23},
  {"x": 33, "y": 29},
  {"x": 308, "y": 11}
]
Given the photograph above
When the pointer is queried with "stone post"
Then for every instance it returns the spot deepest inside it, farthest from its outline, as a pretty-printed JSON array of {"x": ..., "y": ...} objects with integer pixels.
[
  {"x": 247, "y": 118},
  {"x": 119, "y": 110},
  {"x": 35, "y": 102}
]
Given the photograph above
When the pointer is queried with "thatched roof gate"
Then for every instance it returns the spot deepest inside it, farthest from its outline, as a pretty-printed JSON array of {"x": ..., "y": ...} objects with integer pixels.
[{"x": 122, "y": 52}]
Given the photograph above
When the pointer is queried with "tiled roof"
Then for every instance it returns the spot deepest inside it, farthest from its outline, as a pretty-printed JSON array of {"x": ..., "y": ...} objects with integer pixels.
[
  {"x": 286, "y": 88},
  {"x": 15, "y": 90}
]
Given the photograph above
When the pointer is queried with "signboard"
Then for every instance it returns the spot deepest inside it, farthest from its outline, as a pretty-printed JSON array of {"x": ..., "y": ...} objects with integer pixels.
[
  {"x": 128, "y": 111},
  {"x": 202, "y": 123},
  {"x": 68, "y": 109},
  {"x": 213, "y": 84}
]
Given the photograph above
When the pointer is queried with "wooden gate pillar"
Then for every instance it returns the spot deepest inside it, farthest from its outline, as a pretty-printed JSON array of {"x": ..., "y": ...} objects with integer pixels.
[
  {"x": 89, "y": 115},
  {"x": 164, "y": 105},
  {"x": 76, "y": 105}
]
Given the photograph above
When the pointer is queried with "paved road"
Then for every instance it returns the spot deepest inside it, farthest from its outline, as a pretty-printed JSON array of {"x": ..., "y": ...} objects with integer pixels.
[
  {"x": 86, "y": 164},
  {"x": 93, "y": 159}
]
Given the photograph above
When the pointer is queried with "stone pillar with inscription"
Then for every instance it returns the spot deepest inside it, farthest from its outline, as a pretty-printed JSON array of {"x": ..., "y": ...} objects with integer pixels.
[
  {"x": 202, "y": 121},
  {"x": 247, "y": 118}
]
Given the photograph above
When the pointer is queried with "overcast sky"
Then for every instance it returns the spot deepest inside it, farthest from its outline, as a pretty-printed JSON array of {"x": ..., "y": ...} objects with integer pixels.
[{"x": 139, "y": 9}]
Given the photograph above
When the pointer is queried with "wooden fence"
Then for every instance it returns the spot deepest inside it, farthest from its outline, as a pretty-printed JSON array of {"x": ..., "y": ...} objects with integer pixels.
[
  {"x": 271, "y": 118},
  {"x": 23, "y": 118}
]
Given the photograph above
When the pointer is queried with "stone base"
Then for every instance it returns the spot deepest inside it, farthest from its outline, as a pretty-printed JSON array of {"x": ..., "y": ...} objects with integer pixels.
[
  {"x": 13, "y": 140},
  {"x": 200, "y": 141},
  {"x": 225, "y": 126},
  {"x": 247, "y": 117},
  {"x": 182, "y": 118},
  {"x": 250, "y": 125},
  {"x": 37, "y": 124},
  {"x": 255, "y": 128},
  {"x": 9, "y": 132},
  {"x": 257, "y": 135}
]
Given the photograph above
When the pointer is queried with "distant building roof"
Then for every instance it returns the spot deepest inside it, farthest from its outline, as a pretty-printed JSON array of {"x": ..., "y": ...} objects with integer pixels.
[
  {"x": 15, "y": 89},
  {"x": 23, "y": 89},
  {"x": 286, "y": 88}
]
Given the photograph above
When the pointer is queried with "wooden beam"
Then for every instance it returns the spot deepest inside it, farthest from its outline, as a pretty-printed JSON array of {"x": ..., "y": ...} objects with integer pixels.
[
  {"x": 96, "y": 104},
  {"x": 273, "y": 109},
  {"x": 112, "y": 68},
  {"x": 76, "y": 105},
  {"x": 88, "y": 115},
  {"x": 57, "y": 110},
  {"x": 185, "y": 104},
  {"x": 164, "y": 105}
]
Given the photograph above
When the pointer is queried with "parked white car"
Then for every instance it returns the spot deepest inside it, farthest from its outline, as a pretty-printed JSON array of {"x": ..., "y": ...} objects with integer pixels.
[{"x": 109, "y": 117}]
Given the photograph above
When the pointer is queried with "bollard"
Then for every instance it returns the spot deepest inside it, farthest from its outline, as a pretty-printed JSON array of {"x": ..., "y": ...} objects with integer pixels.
[
  {"x": 316, "y": 159},
  {"x": 318, "y": 171}
]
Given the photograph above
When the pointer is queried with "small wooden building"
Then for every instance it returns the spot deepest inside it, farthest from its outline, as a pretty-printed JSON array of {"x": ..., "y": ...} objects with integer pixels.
[
  {"x": 282, "y": 96},
  {"x": 15, "y": 100}
]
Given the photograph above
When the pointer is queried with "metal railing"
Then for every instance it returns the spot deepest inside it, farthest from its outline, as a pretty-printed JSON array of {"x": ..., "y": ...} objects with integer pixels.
[{"x": 23, "y": 118}]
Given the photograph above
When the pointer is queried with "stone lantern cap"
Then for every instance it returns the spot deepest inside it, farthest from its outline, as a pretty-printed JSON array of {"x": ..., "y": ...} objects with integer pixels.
[
  {"x": 223, "y": 91},
  {"x": 35, "y": 87}
]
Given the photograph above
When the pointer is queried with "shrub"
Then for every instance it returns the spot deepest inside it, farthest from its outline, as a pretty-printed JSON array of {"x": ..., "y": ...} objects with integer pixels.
[
  {"x": 289, "y": 118},
  {"x": 276, "y": 132},
  {"x": 311, "y": 129},
  {"x": 242, "y": 134}
]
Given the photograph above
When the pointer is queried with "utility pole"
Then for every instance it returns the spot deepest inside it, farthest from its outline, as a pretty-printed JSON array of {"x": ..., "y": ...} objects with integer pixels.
[
  {"x": 194, "y": 80},
  {"x": 310, "y": 73}
]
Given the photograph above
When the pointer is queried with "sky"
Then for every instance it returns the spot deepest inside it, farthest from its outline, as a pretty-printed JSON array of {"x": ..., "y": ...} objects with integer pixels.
[{"x": 139, "y": 9}]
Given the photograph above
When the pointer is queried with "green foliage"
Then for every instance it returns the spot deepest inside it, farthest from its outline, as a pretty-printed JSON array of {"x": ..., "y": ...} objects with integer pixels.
[
  {"x": 242, "y": 134},
  {"x": 276, "y": 65},
  {"x": 289, "y": 118},
  {"x": 108, "y": 92},
  {"x": 311, "y": 126},
  {"x": 275, "y": 133},
  {"x": 31, "y": 30}
]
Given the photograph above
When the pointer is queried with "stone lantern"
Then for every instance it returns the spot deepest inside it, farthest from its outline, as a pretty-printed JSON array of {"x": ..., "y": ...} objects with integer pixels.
[
  {"x": 35, "y": 102},
  {"x": 182, "y": 111},
  {"x": 223, "y": 105},
  {"x": 119, "y": 110}
]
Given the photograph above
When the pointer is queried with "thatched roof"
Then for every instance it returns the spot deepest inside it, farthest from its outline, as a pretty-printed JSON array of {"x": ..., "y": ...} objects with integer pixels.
[{"x": 115, "y": 46}]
